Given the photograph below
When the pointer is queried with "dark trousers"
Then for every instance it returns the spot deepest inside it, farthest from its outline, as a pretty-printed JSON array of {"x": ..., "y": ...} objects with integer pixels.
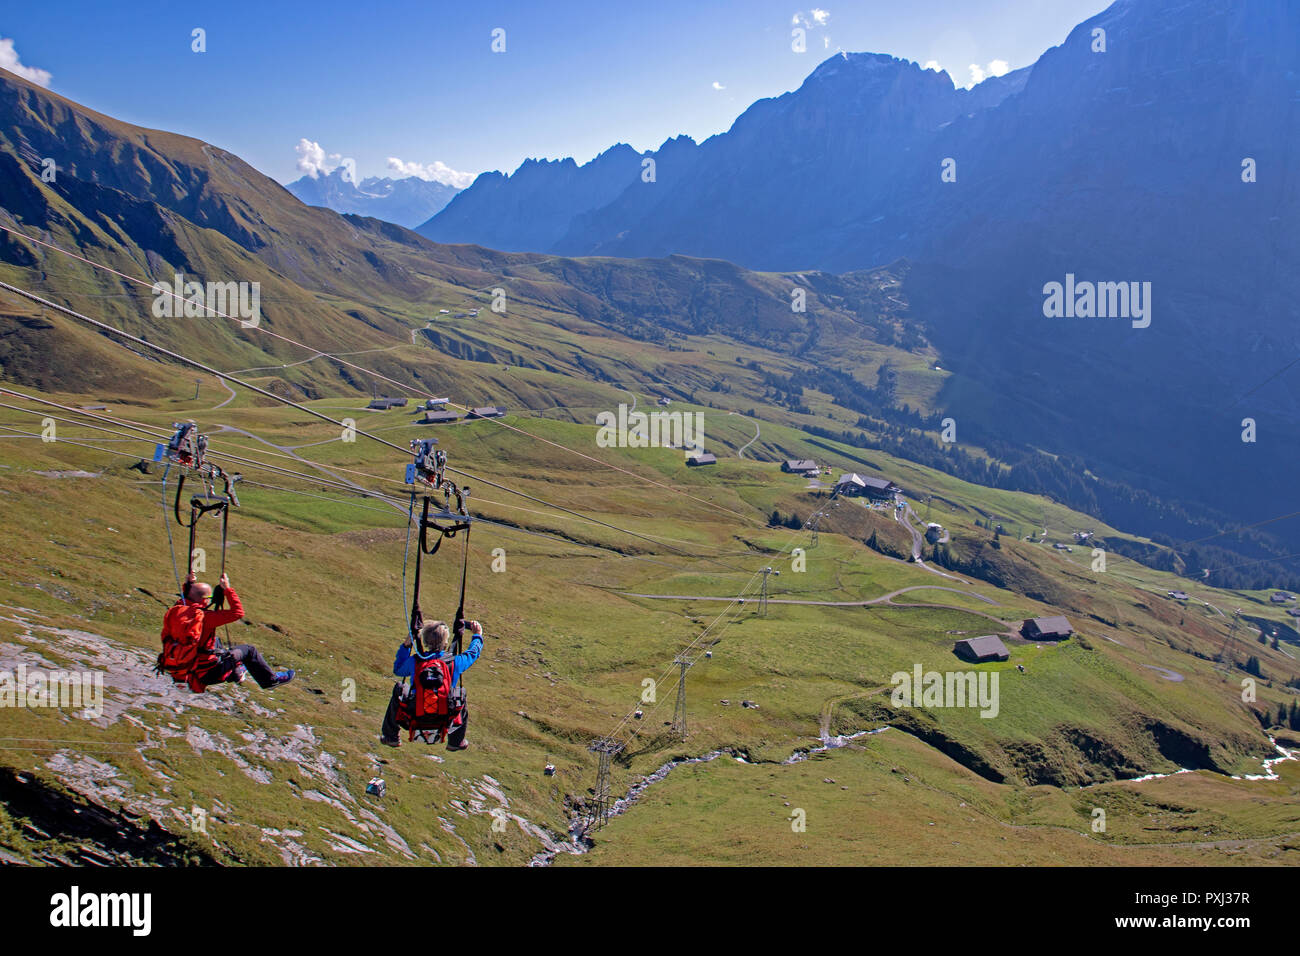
[
  {"x": 455, "y": 733},
  {"x": 391, "y": 731},
  {"x": 250, "y": 657}
]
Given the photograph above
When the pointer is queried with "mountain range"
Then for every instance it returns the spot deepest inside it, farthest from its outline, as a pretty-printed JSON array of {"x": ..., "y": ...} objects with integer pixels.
[
  {"x": 845, "y": 171},
  {"x": 759, "y": 194},
  {"x": 407, "y": 202},
  {"x": 1158, "y": 143}
]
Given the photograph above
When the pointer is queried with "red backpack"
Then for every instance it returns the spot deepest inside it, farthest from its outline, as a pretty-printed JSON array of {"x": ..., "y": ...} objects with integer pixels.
[
  {"x": 428, "y": 707},
  {"x": 432, "y": 686},
  {"x": 185, "y": 653}
]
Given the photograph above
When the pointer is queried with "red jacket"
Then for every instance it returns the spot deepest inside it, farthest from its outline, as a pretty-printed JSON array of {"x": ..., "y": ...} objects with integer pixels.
[
  {"x": 189, "y": 637},
  {"x": 215, "y": 619}
]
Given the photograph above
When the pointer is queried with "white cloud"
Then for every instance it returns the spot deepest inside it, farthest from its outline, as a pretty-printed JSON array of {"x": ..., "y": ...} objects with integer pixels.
[
  {"x": 816, "y": 17},
  {"x": 10, "y": 61},
  {"x": 932, "y": 65},
  {"x": 313, "y": 161},
  {"x": 718, "y": 86},
  {"x": 979, "y": 73},
  {"x": 436, "y": 172}
]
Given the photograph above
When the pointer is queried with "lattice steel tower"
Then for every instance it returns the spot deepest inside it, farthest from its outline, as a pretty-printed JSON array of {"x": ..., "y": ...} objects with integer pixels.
[
  {"x": 605, "y": 749},
  {"x": 679, "y": 712}
]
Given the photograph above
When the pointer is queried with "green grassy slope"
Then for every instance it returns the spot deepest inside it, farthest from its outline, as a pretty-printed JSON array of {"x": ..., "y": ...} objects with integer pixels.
[{"x": 282, "y": 774}]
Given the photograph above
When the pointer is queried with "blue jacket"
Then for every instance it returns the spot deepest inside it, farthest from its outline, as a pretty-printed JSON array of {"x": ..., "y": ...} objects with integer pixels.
[{"x": 404, "y": 663}]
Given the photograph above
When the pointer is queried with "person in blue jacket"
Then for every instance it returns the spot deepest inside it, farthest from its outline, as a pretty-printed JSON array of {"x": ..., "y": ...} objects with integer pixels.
[{"x": 434, "y": 637}]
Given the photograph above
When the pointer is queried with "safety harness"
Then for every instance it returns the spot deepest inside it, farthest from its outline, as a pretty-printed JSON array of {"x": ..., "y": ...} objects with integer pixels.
[
  {"x": 187, "y": 657},
  {"x": 432, "y": 706}
]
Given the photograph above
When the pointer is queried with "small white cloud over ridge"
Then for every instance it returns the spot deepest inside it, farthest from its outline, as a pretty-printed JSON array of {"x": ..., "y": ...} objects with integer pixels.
[
  {"x": 435, "y": 172},
  {"x": 10, "y": 61},
  {"x": 980, "y": 73},
  {"x": 313, "y": 160}
]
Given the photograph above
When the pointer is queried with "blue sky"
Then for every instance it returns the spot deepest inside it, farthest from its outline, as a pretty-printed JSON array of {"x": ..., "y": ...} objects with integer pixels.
[{"x": 418, "y": 82}]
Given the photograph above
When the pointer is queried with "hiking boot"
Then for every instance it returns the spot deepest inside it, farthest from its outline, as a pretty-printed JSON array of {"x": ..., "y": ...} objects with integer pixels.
[
  {"x": 283, "y": 677},
  {"x": 463, "y": 745},
  {"x": 389, "y": 741}
]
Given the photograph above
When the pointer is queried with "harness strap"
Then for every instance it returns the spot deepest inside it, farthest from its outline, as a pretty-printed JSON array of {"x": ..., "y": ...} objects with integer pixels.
[
  {"x": 460, "y": 611},
  {"x": 197, "y": 510},
  {"x": 417, "y": 618},
  {"x": 193, "y": 526},
  {"x": 176, "y": 507},
  {"x": 423, "y": 548},
  {"x": 225, "y": 530}
]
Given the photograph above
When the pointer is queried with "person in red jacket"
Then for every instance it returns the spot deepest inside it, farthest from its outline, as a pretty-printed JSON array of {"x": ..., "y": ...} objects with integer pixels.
[{"x": 193, "y": 655}]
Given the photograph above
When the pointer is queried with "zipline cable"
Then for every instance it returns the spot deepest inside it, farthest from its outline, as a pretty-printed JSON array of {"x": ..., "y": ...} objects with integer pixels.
[
  {"x": 289, "y": 402},
  {"x": 188, "y": 361},
  {"x": 308, "y": 479},
  {"x": 317, "y": 353},
  {"x": 105, "y": 327},
  {"x": 311, "y": 479}
]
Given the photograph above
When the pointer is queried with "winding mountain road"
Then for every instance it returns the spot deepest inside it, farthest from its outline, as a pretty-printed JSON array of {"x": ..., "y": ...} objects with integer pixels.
[
  {"x": 231, "y": 398},
  {"x": 904, "y": 518},
  {"x": 884, "y": 599}
]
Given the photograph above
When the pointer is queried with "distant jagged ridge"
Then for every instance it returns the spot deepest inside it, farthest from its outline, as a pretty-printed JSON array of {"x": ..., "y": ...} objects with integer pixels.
[{"x": 407, "y": 202}]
